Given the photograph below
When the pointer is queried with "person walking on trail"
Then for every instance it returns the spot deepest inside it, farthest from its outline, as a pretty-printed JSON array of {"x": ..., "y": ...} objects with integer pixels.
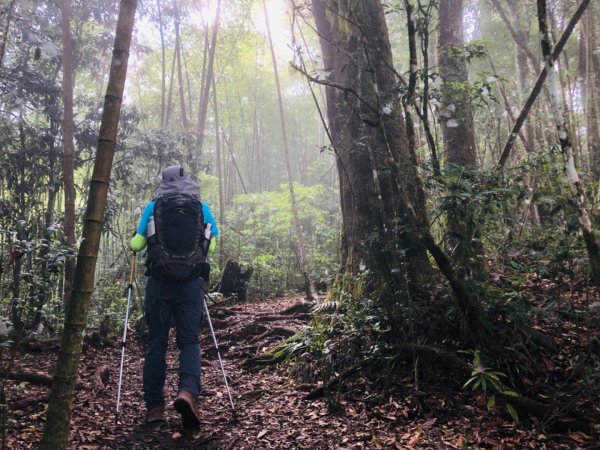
[{"x": 177, "y": 227}]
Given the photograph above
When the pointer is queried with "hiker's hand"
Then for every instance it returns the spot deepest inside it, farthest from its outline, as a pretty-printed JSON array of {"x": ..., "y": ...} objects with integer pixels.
[{"x": 138, "y": 243}]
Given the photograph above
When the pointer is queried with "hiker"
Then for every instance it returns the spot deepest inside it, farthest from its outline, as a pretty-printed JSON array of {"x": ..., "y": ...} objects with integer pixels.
[{"x": 176, "y": 225}]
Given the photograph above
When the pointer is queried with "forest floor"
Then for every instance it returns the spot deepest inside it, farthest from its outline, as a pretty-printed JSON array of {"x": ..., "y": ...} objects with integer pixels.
[{"x": 271, "y": 409}]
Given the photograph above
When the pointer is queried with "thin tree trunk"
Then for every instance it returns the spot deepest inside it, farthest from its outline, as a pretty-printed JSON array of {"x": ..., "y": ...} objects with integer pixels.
[
  {"x": 58, "y": 416},
  {"x": 53, "y": 189},
  {"x": 412, "y": 81},
  {"x": 188, "y": 84},
  {"x": 308, "y": 287},
  {"x": 6, "y": 30},
  {"x": 22, "y": 234},
  {"x": 179, "y": 73},
  {"x": 203, "y": 108},
  {"x": 68, "y": 129},
  {"x": 564, "y": 138},
  {"x": 230, "y": 146},
  {"x": 219, "y": 171},
  {"x": 589, "y": 78},
  {"x": 424, "y": 113},
  {"x": 171, "y": 83},
  {"x": 256, "y": 155},
  {"x": 163, "y": 65},
  {"x": 204, "y": 64}
]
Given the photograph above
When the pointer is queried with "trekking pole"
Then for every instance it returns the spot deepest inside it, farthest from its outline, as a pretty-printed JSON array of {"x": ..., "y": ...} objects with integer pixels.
[
  {"x": 212, "y": 331},
  {"x": 124, "y": 341}
]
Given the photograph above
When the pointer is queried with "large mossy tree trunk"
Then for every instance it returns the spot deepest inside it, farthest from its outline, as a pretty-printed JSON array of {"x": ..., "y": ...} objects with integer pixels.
[
  {"x": 58, "y": 416},
  {"x": 458, "y": 130},
  {"x": 382, "y": 200}
]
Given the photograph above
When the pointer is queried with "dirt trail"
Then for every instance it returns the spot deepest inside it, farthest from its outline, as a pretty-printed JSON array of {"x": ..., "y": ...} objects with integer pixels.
[
  {"x": 269, "y": 410},
  {"x": 272, "y": 412}
]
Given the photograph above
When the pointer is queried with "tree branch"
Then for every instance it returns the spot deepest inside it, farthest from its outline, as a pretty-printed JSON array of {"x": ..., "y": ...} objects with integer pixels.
[
  {"x": 539, "y": 83},
  {"x": 335, "y": 85},
  {"x": 514, "y": 33}
]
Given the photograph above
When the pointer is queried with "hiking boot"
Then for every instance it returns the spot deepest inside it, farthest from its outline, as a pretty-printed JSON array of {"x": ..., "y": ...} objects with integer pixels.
[
  {"x": 155, "y": 414},
  {"x": 185, "y": 404}
]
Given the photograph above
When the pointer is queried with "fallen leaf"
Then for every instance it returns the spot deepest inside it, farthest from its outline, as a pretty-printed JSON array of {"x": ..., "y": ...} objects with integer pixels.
[
  {"x": 414, "y": 440},
  {"x": 579, "y": 436},
  {"x": 262, "y": 433}
]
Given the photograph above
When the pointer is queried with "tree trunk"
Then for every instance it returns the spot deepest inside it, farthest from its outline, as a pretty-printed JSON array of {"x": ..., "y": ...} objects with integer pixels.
[
  {"x": 463, "y": 235},
  {"x": 311, "y": 295},
  {"x": 564, "y": 138},
  {"x": 205, "y": 97},
  {"x": 45, "y": 293},
  {"x": 382, "y": 200},
  {"x": 6, "y": 30},
  {"x": 424, "y": 116},
  {"x": 171, "y": 83},
  {"x": 219, "y": 171},
  {"x": 589, "y": 74},
  {"x": 163, "y": 64},
  {"x": 184, "y": 120},
  {"x": 58, "y": 417},
  {"x": 17, "y": 252},
  {"x": 68, "y": 129}
]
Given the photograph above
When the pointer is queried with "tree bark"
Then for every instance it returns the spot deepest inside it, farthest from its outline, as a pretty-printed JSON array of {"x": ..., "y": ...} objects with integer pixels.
[
  {"x": 58, "y": 417},
  {"x": 463, "y": 235},
  {"x": 564, "y": 138},
  {"x": 311, "y": 295},
  {"x": 382, "y": 200},
  {"x": 6, "y": 30},
  {"x": 68, "y": 129}
]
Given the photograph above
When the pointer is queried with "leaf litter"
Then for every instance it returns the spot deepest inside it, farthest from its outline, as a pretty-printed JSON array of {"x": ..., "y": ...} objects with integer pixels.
[{"x": 271, "y": 409}]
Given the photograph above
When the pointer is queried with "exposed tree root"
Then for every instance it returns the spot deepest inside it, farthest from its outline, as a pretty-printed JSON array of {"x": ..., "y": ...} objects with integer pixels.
[{"x": 31, "y": 377}]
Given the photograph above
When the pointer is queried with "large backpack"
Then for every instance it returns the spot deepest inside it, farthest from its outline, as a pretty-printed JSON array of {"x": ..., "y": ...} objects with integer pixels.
[{"x": 177, "y": 250}]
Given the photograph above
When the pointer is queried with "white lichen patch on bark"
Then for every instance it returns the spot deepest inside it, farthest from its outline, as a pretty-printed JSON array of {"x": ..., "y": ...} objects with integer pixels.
[
  {"x": 553, "y": 87},
  {"x": 570, "y": 169},
  {"x": 585, "y": 221}
]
